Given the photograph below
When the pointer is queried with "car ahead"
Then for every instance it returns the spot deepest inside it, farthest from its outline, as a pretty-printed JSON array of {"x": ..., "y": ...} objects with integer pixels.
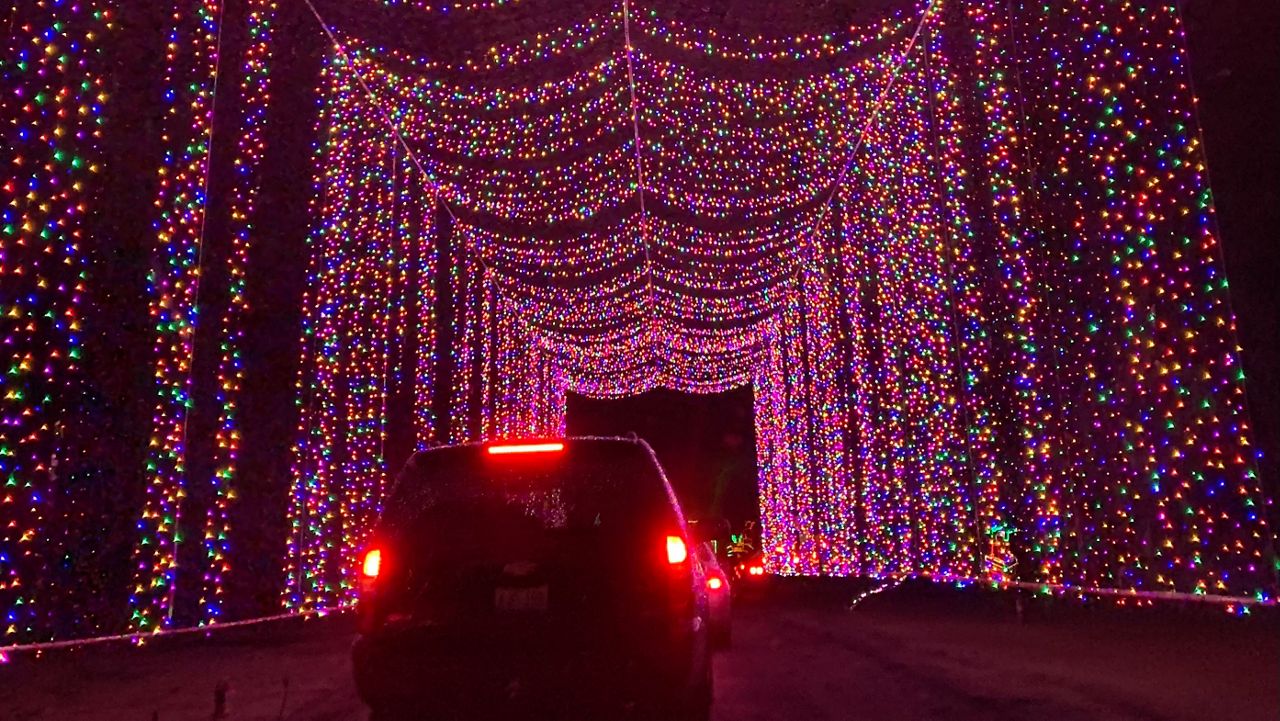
[
  {"x": 719, "y": 601},
  {"x": 550, "y": 578},
  {"x": 749, "y": 573}
]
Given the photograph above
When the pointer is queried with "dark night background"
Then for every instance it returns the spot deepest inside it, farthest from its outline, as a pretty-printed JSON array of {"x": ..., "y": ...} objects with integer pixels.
[{"x": 705, "y": 442}]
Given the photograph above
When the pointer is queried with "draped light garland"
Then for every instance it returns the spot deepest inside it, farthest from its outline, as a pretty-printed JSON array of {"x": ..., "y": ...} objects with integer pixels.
[
  {"x": 1149, "y": 476},
  {"x": 965, "y": 255},
  {"x": 445, "y": 7},
  {"x": 851, "y": 223},
  {"x": 52, "y": 113}
]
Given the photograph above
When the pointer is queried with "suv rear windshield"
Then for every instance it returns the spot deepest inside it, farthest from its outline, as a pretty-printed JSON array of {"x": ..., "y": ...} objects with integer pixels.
[{"x": 610, "y": 487}]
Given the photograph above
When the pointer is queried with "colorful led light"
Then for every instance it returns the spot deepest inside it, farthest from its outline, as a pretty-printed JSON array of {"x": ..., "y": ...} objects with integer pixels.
[
  {"x": 961, "y": 369},
  {"x": 173, "y": 287},
  {"x": 52, "y": 113},
  {"x": 255, "y": 99},
  {"x": 994, "y": 342}
]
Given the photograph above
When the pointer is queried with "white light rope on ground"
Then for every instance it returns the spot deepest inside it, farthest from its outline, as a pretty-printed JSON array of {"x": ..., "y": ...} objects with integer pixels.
[
  {"x": 1137, "y": 595},
  {"x": 889, "y": 585},
  {"x": 6, "y": 652},
  {"x": 1231, "y": 602},
  {"x": 1132, "y": 593}
]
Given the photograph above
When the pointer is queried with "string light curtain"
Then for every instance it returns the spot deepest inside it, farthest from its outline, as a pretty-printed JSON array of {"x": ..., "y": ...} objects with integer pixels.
[
  {"x": 557, "y": 280},
  {"x": 372, "y": 290},
  {"x": 50, "y": 135},
  {"x": 193, "y": 75},
  {"x": 1132, "y": 410},
  {"x": 966, "y": 256},
  {"x": 992, "y": 343}
]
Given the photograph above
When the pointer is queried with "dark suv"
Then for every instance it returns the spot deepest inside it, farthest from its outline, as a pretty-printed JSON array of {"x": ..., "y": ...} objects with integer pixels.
[{"x": 551, "y": 578}]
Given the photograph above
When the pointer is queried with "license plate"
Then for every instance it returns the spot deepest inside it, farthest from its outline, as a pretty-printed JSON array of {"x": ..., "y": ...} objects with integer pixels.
[{"x": 520, "y": 599}]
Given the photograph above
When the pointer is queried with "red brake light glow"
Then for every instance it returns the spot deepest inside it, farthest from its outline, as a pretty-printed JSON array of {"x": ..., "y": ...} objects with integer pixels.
[
  {"x": 677, "y": 552},
  {"x": 714, "y": 583},
  {"x": 526, "y": 448},
  {"x": 756, "y": 570},
  {"x": 372, "y": 563}
]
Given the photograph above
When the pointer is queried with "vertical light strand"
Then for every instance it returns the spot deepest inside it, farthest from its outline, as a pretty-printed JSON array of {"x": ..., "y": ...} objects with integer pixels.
[
  {"x": 367, "y": 236},
  {"x": 778, "y": 533},
  {"x": 424, "y": 325},
  {"x": 828, "y": 415},
  {"x": 312, "y": 511},
  {"x": 173, "y": 289},
  {"x": 255, "y": 99},
  {"x": 961, "y": 261},
  {"x": 1032, "y": 449},
  {"x": 466, "y": 360}
]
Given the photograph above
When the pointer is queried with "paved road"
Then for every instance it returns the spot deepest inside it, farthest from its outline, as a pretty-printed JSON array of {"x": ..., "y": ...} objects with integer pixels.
[
  {"x": 885, "y": 660},
  {"x": 886, "y": 665}
]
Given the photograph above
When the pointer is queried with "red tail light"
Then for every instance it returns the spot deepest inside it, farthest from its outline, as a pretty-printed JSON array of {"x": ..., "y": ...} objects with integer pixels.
[
  {"x": 526, "y": 448},
  {"x": 677, "y": 552},
  {"x": 372, "y": 563},
  {"x": 756, "y": 570},
  {"x": 714, "y": 583}
]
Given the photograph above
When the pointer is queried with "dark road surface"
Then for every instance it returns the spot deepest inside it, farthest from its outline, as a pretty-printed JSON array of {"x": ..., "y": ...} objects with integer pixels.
[
  {"x": 878, "y": 665},
  {"x": 882, "y": 660}
]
